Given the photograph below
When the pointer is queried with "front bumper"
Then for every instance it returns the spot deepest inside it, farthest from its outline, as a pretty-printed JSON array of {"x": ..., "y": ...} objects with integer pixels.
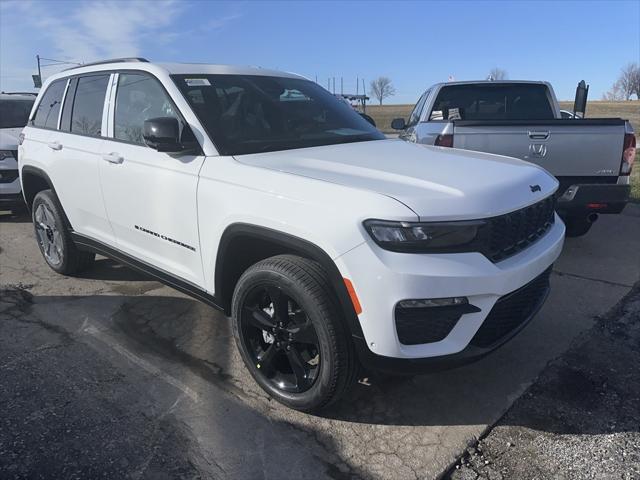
[
  {"x": 582, "y": 199},
  {"x": 10, "y": 188},
  {"x": 382, "y": 279}
]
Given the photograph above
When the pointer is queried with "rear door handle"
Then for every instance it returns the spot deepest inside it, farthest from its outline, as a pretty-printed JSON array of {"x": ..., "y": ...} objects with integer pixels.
[
  {"x": 113, "y": 158},
  {"x": 55, "y": 145},
  {"x": 540, "y": 135}
]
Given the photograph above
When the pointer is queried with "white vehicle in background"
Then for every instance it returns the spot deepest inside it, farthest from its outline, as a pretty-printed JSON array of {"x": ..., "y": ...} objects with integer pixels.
[
  {"x": 261, "y": 194},
  {"x": 14, "y": 114}
]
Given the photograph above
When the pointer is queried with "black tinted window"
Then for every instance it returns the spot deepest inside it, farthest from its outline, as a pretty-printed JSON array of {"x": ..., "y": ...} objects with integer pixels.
[
  {"x": 14, "y": 113},
  {"x": 139, "y": 98},
  {"x": 49, "y": 107},
  {"x": 493, "y": 102},
  {"x": 86, "y": 117},
  {"x": 414, "y": 118},
  {"x": 253, "y": 113}
]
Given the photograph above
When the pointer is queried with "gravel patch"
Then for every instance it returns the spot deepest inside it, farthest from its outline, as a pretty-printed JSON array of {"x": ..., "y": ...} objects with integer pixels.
[{"x": 580, "y": 419}]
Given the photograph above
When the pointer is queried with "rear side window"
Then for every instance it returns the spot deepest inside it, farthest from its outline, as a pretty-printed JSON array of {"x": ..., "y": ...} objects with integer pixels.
[
  {"x": 46, "y": 115},
  {"x": 139, "y": 98},
  {"x": 493, "y": 102},
  {"x": 86, "y": 115}
]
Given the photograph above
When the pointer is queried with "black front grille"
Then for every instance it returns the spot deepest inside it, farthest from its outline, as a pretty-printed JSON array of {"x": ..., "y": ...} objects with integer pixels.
[
  {"x": 8, "y": 176},
  {"x": 512, "y": 311},
  {"x": 510, "y": 233}
]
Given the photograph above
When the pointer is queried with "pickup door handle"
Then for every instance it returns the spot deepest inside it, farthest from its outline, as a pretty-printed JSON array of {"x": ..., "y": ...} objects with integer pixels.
[
  {"x": 55, "y": 145},
  {"x": 539, "y": 135},
  {"x": 113, "y": 158}
]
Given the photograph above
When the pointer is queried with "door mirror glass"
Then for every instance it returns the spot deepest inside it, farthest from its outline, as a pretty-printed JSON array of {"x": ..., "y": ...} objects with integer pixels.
[
  {"x": 162, "y": 134},
  {"x": 398, "y": 124}
]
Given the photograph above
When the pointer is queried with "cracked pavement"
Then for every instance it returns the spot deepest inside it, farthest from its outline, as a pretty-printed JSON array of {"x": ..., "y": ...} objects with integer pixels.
[{"x": 112, "y": 374}]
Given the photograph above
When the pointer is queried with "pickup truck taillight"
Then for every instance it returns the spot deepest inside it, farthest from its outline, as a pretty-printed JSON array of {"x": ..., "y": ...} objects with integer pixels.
[
  {"x": 628, "y": 154},
  {"x": 444, "y": 140}
]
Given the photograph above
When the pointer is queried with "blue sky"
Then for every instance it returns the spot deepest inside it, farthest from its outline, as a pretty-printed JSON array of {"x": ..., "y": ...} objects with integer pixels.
[{"x": 414, "y": 43}]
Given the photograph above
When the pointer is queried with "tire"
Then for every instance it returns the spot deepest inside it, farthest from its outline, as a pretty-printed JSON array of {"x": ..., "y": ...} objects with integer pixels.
[
  {"x": 306, "y": 370},
  {"x": 577, "y": 227},
  {"x": 54, "y": 238}
]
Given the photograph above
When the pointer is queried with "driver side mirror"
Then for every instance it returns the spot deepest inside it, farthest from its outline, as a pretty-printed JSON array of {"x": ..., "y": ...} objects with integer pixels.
[
  {"x": 398, "y": 124},
  {"x": 163, "y": 134}
]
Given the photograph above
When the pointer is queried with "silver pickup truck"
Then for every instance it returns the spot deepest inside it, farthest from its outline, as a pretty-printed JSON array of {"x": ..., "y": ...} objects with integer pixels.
[{"x": 591, "y": 158}]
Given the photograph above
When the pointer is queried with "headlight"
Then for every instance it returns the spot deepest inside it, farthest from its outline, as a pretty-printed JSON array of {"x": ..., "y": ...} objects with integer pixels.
[
  {"x": 5, "y": 154},
  {"x": 423, "y": 237}
]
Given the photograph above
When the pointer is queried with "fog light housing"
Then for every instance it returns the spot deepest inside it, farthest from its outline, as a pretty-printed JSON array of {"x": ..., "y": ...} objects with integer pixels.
[
  {"x": 434, "y": 302},
  {"x": 428, "y": 320}
]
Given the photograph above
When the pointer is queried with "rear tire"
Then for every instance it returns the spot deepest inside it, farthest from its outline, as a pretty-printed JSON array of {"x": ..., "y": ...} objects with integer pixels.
[
  {"x": 291, "y": 334},
  {"x": 54, "y": 237},
  {"x": 577, "y": 227}
]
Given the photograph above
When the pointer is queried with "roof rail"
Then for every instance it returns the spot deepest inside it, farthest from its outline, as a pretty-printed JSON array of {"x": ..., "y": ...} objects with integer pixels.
[
  {"x": 19, "y": 93},
  {"x": 112, "y": 60}
]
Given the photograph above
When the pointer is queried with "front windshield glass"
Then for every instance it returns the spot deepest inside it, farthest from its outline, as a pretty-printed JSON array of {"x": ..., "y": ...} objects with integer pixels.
[
  {"x": 14, "y": 113},
  {"x": 251, "y": 113}
]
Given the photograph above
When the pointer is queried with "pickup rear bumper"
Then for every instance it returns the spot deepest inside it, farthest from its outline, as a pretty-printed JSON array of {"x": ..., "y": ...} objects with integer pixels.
[{"x": 593, "y": 198}]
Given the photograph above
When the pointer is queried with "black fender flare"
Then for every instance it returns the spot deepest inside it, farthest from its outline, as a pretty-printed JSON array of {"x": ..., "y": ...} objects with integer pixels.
[{"x": 291, "y": 244}]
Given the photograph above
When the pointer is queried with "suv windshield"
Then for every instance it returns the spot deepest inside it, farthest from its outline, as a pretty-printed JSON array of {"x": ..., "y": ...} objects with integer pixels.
[
  {"x": 503, "y": 101},
  {"x": 252, "y": 113},
  {"x": 14, "y": 113}
]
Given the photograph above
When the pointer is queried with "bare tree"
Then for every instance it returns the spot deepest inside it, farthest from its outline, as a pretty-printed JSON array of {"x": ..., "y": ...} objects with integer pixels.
[
  {"x": 382, "y": 88},
  {"x": 627, "y": 84},
  {"x": 615, "y": 93},
  {"x": 630, "y": 81},
  {"x": 497, "y": 74}
]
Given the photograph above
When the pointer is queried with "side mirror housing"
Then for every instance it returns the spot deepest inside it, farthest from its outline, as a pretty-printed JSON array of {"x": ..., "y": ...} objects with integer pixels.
[
  {"x": 163, "y": 134},
  {"x": 398, "y": 124}
]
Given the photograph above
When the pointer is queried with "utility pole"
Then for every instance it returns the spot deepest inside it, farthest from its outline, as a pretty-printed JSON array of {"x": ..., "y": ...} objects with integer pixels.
[{"x": 39, "y": 72}]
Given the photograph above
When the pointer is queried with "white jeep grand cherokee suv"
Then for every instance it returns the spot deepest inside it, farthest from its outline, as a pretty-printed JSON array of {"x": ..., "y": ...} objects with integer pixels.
[{"x": 262, "y": 195}]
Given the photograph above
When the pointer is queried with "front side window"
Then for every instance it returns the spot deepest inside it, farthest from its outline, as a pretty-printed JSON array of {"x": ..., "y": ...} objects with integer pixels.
[
  {"x": 86, "y": 116},
  {"x": 246, "y": 114},
  {"x": 14, "y": 113},
  {"x": 46, "y": 115},
  {"x": 139, "y": 98},
  {"x": 414, "y": 118},
  {"x": 506, "y": 101}
]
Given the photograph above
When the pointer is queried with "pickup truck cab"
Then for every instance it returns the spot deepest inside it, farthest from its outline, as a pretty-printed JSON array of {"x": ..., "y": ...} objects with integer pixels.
[
  {"x": 591, "y": 158},
  {"x": 261, "y": 194},
  {"x": 14, "y": 114}
]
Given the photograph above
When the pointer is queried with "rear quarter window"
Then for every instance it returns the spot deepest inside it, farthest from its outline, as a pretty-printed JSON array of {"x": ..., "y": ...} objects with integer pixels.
[
  {"x": 46, "y": 115},
  {"x": 493, "y": 102}
]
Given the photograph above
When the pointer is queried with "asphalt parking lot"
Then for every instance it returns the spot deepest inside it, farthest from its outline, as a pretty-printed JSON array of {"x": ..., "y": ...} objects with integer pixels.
[{"x": 117, "y": 376}]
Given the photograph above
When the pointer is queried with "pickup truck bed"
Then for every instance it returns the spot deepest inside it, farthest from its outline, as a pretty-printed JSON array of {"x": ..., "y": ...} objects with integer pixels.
[{"x": 584, "y": 155}]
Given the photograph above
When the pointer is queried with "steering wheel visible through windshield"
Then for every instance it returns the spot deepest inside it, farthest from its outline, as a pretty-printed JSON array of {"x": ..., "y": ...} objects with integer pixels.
[{"x": 252, "y": 113}]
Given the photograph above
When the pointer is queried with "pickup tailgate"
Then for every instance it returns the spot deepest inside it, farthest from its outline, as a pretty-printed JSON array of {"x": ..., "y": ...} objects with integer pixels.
[{"x": 575, "y": 148}]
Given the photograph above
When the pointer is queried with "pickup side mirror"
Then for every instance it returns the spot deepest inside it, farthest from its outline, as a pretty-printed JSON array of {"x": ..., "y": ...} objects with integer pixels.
[
  {"x": 163, "y": 134},
  {"x": 398, "y": 124}
]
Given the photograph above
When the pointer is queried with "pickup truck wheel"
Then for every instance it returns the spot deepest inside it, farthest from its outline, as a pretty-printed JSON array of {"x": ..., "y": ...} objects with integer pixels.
[
  {"x": 577, "y": 227},
  {"x": 53, "y": 237},
  {"x": 290, "y": 332}
]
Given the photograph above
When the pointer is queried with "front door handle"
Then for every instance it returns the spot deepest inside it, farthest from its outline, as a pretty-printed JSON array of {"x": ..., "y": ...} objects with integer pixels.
[
  {"x": 540, "y": 135},
  {"x": 113, "y": 158},
  {"x": 55, "y": 145}
]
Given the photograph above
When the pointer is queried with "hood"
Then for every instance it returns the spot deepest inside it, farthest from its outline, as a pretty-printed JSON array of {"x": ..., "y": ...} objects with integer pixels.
[
  {"x": 9, "y": 138},
  {"x": 434, "y": 182}
]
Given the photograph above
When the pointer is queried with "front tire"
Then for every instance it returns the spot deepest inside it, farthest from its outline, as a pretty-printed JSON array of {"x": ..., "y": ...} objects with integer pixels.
[
  {"x": 54, "y": 238},
  {"x": 290, "y": 333}
]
